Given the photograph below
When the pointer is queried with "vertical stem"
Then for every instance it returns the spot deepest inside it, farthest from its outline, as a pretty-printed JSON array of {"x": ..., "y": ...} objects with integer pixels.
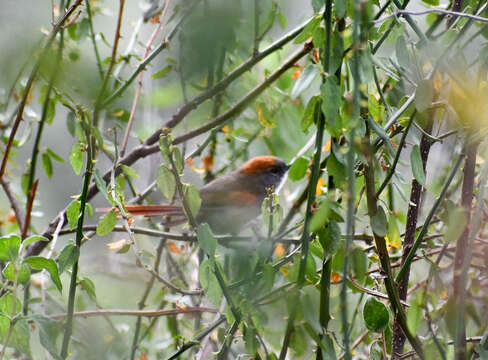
[
  {"x": 410, "y": 228},
  {"x": 142, "y": 302},
  {"x": 461, "y": 250},
  {"x": 79, "y": 236},
  {"x": 94, "y": 42},
  {"x": 99, "y": 103},
  {"x": 382, "y": 250},
  {"x": 324, "y": 310},
  {"x": 305, "y": 238},
  {"x": 13, "y": 317},
  {"x": 256, "y": 27}
]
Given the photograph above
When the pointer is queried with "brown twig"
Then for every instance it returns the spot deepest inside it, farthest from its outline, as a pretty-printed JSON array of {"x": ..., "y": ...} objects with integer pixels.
[
  {"x": 413, "y": 211},
  {"x": 139, "y": 81},
  {"x": 14, "y": 204},
  {"x": 30, "y": 81},
  {"x": 146, "y": 313},
  {"x": 30, "y": 203}
]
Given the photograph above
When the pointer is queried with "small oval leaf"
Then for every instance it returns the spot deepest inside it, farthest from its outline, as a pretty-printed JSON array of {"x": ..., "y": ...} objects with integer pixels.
[
  {"x": 107, "y": 224},
  {"x": 375, "y": 315},
  {"x": 417, "y": 165}
]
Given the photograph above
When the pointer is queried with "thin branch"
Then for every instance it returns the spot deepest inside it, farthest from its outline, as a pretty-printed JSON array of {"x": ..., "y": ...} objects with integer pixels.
[
  {"x": 113, "y": 59},
  {"x": 142, "y": 66},
  {"x": 139, "y": 81},
  {"x": 372, "y": 292},
  {"x": 142, "y": 301},
  {"x": 464, "y": 243},
  {"x": 14, "y": 204},
  {"x": 430, "y": 11},
  {"x": 145, "y": 313},
  {"x": 413, "y": 212},
  {"x": 90, "y": 159},
  {"x": 306, "y": 235},
  {"x": 428, "y": 219},
  {"x": 56, "y": 28},
  {"x": 28, "y": 211},
  {"x": 392, "y": 168},
  {"x": 197, "y": 339},
  {"x": 224, "y": 83},
  {"x": 93, "y": 40}
]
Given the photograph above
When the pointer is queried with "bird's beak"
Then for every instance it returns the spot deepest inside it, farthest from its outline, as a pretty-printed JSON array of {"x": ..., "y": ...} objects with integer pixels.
[{"x": 288, "y": 166}]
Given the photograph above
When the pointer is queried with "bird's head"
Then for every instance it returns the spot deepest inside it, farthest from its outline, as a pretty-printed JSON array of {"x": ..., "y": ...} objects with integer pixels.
[{"x": 265, "y": 172}]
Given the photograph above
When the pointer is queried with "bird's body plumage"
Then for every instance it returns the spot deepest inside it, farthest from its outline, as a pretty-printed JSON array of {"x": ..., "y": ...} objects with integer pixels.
[{"x": 231, "y": 201}]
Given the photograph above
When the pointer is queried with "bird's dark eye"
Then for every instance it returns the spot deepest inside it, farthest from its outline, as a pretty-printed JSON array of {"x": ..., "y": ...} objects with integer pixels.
[{"x": 275, "y": 170}]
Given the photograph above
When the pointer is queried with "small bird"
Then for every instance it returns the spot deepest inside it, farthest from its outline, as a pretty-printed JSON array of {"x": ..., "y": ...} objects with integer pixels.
[{"x": 231, "y": 201}]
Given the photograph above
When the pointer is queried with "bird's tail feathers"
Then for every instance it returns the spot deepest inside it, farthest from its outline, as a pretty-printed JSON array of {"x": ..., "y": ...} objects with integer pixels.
[{"x": 151, "y": 210}]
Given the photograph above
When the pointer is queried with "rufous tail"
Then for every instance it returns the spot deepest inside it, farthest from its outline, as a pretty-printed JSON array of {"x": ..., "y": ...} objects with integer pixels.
[{"x": 151, "y": 210}]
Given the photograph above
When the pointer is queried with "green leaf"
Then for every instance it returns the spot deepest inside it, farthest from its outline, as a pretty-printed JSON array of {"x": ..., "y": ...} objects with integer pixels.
[
  {"x": 20, "y": 334},
  {"x": 340, "y": 8},
  {"x": 166, "y": 182},
  {"x": 308, "y": 30},
  {"x": 359, "y": 263},
  {"x": 89, "y": 287},
  {"x": 54, "y": 156},
  {"x": 375, "y": 315},
  {"x": 100, "y": 183},
  {"x": 331, "y": 104},
  {"x": 402, "y": 54},
  {"x": 336, "y": 169},
  {"x": 209, "y": 282},
  {"x": 431, "y": 2},
  {"x": 88, "y": 210},
  {"x": 68, "y": 256},
  {"x": 317, "y": 5},
  {"x": 309, "y": 113},
  {"x": 127, "y": 170},
  {"x": 32, "y": 239},
  {"x": 281, "y": 19},
  {"x": 424, "y": 95},
  {"x": 192, "y": 198},
  {"x": 49, "y": 330},
  {"x": 9, "y": 247},
  {"x": 107, "y": 224},
  {"x": 177, "y": 159},
  {"x": 415, "y": 313},
  {"x": 47, "y": 165},
  {"x": 22, "y": 277},
  {"x": 39, "y": 263},
  {"x": 310, "y": 309},
  {"x": 330, "y": 238},
  {"x": 298, "y": 342},
  {"x": 206, "y": 240},
  {"x": 162, "y": 73},
  {"x": 379, "y": 223},
  {"x": 417, "y": 165},
  {"x": 327, "y": 346},
  {"x": 318, "y": 37},
  {"x": 298, "y": 169},
  {"x": 24, "y": 182},
  {"x": 73, "y": 213},
  {"x": 76, "y": 158},
  {"x": 51, "y": 110},
  {"x": 456, "y": 224},
  {"x": 268, "y": 278},
  {"x": 337, "y": 52}
]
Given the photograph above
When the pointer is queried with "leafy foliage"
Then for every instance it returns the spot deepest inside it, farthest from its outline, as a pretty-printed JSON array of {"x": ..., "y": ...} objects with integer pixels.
[{"x": 381, "y": 114}]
